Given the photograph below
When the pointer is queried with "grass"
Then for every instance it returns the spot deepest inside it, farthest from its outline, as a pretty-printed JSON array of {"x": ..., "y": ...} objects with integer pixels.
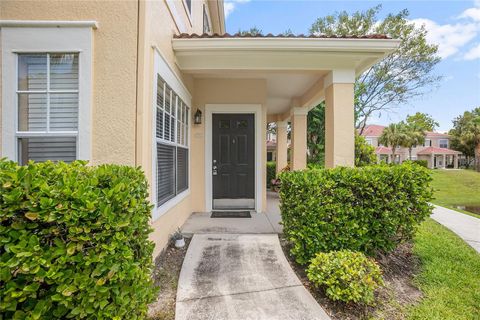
[
  {"x": 456, "y": 188},
  {"x": 449, "y": 276}
]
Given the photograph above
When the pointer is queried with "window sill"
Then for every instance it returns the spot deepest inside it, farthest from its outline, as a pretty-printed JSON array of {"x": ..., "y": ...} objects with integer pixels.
[{"x": 165, "y": 207}]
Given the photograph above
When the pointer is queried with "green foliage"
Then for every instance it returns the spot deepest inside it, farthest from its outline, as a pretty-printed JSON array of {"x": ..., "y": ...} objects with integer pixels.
[
  {"x": 422, "y": 163},
  {"x": 74, "y": 242},
  {"x": 366, "y": 209},
  {"x": 316, "y": 134},
  {"x": 466, "y": 135},
  {"x": 346, "y": 275},
  {"x": 271, "y": 172},
  {"x": 393, "y": 136},
  {"x": 364, "y": 153},
  {"x": 423, "y": 121},
  {"x": 413, "y": 135},
  {"x": 254, "y": 31},
  {"x": 401, "y": 76}
]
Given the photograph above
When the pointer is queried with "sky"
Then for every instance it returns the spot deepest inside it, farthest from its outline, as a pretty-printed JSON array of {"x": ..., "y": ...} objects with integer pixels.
[{"x": 452, "y": 25}]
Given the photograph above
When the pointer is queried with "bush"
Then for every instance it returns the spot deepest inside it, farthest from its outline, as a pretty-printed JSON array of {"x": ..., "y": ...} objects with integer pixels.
[
  {"x": 346, "y": 276},
  {"x": 271, "y": 172},
  {"x": 364, "y": 152},
  {"x": 422, "y": 163},
  {"x": 364, "y": 209},
  {"x": 75, "y": 242}
]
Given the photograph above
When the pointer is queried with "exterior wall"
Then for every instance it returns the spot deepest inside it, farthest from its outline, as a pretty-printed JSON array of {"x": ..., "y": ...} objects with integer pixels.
[
  {"x": 159, "y": 21},
  {"x": 114, "y": 57}
]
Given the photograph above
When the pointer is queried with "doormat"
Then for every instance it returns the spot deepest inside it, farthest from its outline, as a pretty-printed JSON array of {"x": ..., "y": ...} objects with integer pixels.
[{"x": 230, "y": 214}]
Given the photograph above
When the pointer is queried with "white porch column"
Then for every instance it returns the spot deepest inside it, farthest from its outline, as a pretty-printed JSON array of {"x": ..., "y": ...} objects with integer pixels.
[
  {"x": 432, "y": 161},
  {"x": 298, "y": 155},
  {"x": 455, "y": 161},
  {"x": 282, "y": 145},
  {"x": 444, "y": 161},
  {"x": 339, "y": 118}
]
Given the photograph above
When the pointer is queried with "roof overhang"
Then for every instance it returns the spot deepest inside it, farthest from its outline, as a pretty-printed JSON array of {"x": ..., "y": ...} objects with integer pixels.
[{"x": 197, "y": 55}]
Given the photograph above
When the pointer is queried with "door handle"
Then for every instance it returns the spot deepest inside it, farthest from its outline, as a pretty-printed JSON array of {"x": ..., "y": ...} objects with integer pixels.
[{"x": 214, "y": 170}]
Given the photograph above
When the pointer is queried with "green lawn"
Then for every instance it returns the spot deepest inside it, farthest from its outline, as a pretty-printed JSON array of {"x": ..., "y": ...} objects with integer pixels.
[
  {"x": 449, "y": 276},
  {"x": 456, "y": 187}
]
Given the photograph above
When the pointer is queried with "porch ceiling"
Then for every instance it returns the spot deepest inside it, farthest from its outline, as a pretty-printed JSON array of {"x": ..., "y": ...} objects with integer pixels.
[{"x": 294, "y": 68}]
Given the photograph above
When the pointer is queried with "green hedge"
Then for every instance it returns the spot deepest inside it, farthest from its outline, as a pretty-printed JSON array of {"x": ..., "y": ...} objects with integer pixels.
[
  {"x": 364, "y": 209},
  {"x": 423, "y": 163},
  {"x": 74, "y": 242},
  {"x": 271, "y": 172}
]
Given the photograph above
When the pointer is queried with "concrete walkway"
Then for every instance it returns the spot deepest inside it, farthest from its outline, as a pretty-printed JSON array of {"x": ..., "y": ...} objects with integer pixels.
[
  {"x": 241, "y": 277},
  {"x": 465, "y": 226}
]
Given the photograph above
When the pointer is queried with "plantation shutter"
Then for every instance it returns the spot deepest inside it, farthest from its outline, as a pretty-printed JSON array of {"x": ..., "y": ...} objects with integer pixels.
[
  {"x": 48, "y": 105},
  {"x": 165, "y": 172},
  {"x": 182, "y": 169}
]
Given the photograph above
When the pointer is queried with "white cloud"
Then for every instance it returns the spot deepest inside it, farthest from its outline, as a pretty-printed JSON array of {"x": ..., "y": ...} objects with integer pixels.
[
  {"x": 473, "y": 53},
  {"x": 472, "y": 13},
  {"x": 450, "y": 38},
  {"x": 230, "y": 5}
]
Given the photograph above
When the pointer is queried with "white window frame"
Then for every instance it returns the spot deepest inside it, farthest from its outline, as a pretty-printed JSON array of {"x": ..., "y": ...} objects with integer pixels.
[
  {"x": 163, "y": 69},
  {"x": 46, "y": 37},
  {"x": 440, "y": 143},
  {"x": 369, "y": 141}
]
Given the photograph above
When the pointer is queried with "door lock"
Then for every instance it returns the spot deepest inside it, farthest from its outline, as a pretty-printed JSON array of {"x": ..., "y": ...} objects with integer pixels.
[{"x": 214, "y": 170}]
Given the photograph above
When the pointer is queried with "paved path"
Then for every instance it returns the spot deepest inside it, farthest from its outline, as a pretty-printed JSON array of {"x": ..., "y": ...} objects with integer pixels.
[
  {"x": 465, "y": 226},
  {"x": 241, "y": 277}
]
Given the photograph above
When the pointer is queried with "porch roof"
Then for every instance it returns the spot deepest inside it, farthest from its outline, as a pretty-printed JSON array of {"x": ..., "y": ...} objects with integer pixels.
[
  {"x": 383, "y": 150},
  {"x": 436, "y": 150},
  {"x": 296, "y": 68}
]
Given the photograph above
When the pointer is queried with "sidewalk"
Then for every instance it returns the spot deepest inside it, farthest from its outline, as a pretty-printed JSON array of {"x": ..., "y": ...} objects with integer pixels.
[{"x": 465, "y": 226}]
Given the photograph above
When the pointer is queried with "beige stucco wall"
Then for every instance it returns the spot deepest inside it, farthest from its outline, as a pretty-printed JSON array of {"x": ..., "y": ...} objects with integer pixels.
[{"x": 115, "y": 50}]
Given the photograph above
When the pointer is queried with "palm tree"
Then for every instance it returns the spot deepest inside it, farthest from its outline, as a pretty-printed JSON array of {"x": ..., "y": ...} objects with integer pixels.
[
  {"x": 413, "y": 135},
  {"x": 393, "y": 136}
]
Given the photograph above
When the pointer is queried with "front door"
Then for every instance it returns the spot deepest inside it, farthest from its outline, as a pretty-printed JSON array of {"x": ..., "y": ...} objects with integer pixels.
[{"x": 233, "y": 167}]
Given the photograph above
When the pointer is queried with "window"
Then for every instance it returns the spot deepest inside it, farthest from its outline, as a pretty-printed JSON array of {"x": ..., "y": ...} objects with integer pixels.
[
  {"x": 171, "y": 135},
  {"x": 47, "y": 107},
  {"x": 46, "y": 90},
  {"x": 369, "y": 141},
  {"x": 269, "y": 156},
  {"x": 206, "y": 22},
  {"x": 188, "y": 4},
  {"x": 427, "y": 143},
  {"x": 443, "y": 143}
]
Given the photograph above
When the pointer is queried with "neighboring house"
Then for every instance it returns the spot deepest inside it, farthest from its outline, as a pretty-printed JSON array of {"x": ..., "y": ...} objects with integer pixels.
[
  {"x": 158, "y": 84},
  {"x": 436, "y": 149}
]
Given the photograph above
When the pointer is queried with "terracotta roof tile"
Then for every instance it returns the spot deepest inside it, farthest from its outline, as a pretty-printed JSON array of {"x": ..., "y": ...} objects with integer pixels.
[
  {"x": 269, "y": 35},
  {"x": 383, "y": 150},
  {"x": 373, "y": 130},
  {"x": 435, "y": 150},
  {"x": 431, "y": 134}
]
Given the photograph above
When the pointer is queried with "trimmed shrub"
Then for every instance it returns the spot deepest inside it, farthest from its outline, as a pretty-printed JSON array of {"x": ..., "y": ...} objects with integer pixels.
[
  {"x": 271, "y": 172},
  {"x": 74, "y": 242},
  {"x": 366, "y": 209},
  {"x": 346, "y": 275},
  {"x": 422, "y": 163}
]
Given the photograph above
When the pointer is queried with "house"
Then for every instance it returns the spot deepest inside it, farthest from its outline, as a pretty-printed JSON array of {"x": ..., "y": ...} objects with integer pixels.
[
  {"x": 435, "y": 150},
  {"x": 160, "y": 85}
]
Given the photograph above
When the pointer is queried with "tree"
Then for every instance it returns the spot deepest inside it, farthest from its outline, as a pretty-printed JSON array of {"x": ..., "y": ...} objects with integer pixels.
[
  {"x": 316, "y": 134},
  {"x": 393, "y": 136},
  {"x": 466, "y": 135},
  {"x": 414, "y": 134},
  {"x": 364, "y": 153},
  {"x": 398, "y": 78},
  {"x": 252, "y": 31},
  {"x": 422, "y": 121}
]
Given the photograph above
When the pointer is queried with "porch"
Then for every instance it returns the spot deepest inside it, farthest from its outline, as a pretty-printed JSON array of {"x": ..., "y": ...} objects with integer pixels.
[
  {"x": 440, "y": 157},
  {"x": 275, "y": 79}
]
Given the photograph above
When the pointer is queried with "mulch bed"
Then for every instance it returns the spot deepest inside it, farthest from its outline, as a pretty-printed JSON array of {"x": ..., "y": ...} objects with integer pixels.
[
  {"x": 167, "y": 270},
  {"x": 399, "y": 268}
]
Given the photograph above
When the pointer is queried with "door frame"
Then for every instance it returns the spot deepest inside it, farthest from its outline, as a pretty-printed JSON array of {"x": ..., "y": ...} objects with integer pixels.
[{"x": 256, "y": 110}]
